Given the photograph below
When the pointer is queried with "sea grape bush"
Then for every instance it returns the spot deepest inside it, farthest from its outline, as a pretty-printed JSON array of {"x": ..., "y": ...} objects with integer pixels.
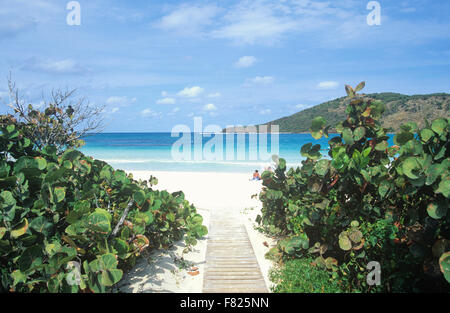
[
  {"x": 366, "y": 201},
  {"x": 66, "y": 212}
]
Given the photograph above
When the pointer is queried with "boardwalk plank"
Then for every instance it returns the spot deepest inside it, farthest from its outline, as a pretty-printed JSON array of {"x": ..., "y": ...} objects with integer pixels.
[{"x": 231, "y": 264}]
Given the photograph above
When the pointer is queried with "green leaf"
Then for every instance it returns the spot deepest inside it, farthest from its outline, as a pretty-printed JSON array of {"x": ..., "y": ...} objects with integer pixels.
[
  {"x": 410, "y": 167},
  {"x": 108, "y": 261},
  {"x": 384, "y": 187},
  {"x": 322, "y": 167},
  {"x": 426, "y": 134},
  {"x": 347, "y": 135},
  {"x": 99, "y": 222},
  {"x": 41, "y": 225},
  {"x": 121, "y": 246},
  {"x": 59, "y": 193},
  {"x": 433, "y": 172},
  {"x": 403, "y": 137},
  {"x": 360, "y": 86},
  {"x": 20, "y": 229},
  {"x": 439, "y": 126},
  {"x": 106, "y": 172},
  {"x": 71, "y": 155},
  {"x": 41, "y": 163},
  {"x": 349, "y": 90},
  {"x": 121, "y": 176},
  {"x": 84, "y": 165},
  {"x": 18, "y": 277},
  {"x": 355, "y": 235},
  {"x": 2, "y": 232},
  {"x": 444, "y": 186},
  {"x": 382, "y": 146},
  {"x": 139, "y": 197},
  {"x": 111, "y": 277},
  {"x": 344, "y": 242},
  {"x": 29, "y": 166},
  {"x": 359, "y": 133},
  {"x": 437, "y": 210},
  {"x": 444, "y": 264},
  {"x": 317, "y": 127},
  {"x": 30, "y": 258},
  {"x": 7, "y": 198},
  {"x": 318, "y": 123}
]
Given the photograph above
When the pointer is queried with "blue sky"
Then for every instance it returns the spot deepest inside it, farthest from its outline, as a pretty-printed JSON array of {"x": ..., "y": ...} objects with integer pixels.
[{"x": 156, "y": 64}]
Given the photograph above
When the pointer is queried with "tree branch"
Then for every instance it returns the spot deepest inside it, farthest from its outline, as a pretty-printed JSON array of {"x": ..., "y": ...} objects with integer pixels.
[{"x": 122, "y": 219}]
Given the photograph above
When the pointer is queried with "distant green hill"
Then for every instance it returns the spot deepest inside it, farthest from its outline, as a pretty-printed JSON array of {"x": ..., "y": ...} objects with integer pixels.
[{"x": 399, "y": 109}]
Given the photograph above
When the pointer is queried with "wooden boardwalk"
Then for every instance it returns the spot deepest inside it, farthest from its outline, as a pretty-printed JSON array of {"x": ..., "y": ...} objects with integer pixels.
[{"x": 231, "y": 265}]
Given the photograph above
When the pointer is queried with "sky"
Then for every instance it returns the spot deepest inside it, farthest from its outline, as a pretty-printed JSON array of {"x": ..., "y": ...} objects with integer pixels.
[{"x": 157, "y": 64}]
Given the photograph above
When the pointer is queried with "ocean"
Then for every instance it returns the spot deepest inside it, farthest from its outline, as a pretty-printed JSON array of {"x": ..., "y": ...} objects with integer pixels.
[{"x": 154, "y": 151}]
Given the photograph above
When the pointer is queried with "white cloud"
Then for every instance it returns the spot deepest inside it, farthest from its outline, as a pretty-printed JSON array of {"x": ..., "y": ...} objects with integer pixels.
[
  {"x": 191, "y": 92},
  {"x": 174, "y": 110},
  {"x": 259, "y": 80},
  {"x": 188, "y": 19},
  {"x": 164, "y": 94},
  {"x": 166, "y": 101},
  {"x": 209, "y": 107},
  {"x": 332, "y": 24},
  {"x": 120, "y": 101},
  {"x": 215, "y": 95},
  {"x": 18, "y": 16},
  {"x": 246, "y": 61},
  {"x": 151, "y": 113},
  {"x": 255, "y": 22},
  {"x": 114, "y": 110},
  {"x": 327, "y": 85},
  {"x": 265, "y": 111},
  {"x": 67, "y": 66}
]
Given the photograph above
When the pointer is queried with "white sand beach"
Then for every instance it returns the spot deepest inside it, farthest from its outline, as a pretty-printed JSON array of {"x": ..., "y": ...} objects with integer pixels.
[{"x": 208, "y": 191}]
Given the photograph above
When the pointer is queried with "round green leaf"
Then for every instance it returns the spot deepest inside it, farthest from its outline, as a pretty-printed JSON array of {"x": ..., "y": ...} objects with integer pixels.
[
  {"x": 439, "y": 126},
  {"x": 59, "y": 193},
  {"x": 437, "y": 210},
  {"x": 403, "y": 137},
  {"x": 111, "y": 277},
  {"x": 426, "y": 134},
  {"x": 410, "y": 167},
  {"x": 344, "y": 242},
  {"x": 322, "y": 167},
  {"x": 99, "y": 222}
]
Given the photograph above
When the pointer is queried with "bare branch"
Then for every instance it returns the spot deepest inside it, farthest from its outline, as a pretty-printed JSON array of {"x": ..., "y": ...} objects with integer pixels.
[{"x": 61, "y": 121}]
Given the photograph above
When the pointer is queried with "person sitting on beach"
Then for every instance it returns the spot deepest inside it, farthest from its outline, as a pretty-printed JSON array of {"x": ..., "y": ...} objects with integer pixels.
[{"x": 256, "y": 175}]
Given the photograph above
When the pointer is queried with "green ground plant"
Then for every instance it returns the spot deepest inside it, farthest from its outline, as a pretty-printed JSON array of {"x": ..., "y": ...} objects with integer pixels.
[
  {"x": 366, "y": 201},
  {"x": 70, "y": 223},
  {"x": 302, "y": 276}
]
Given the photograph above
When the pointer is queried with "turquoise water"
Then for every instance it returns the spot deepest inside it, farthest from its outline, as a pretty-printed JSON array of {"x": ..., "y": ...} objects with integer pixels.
[{"x": 153, "y": 151}]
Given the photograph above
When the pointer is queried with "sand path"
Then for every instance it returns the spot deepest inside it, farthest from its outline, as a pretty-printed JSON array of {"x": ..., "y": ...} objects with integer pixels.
[{"x": 225, "y": 201}]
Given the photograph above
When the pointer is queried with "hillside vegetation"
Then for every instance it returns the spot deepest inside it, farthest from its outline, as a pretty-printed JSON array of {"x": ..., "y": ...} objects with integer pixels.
[{"x": 399, "y": 109}]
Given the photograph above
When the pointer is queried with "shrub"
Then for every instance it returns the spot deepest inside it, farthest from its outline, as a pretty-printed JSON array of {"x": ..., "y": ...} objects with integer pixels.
[
  {"x": 367, "y": 201},
  {"x": 70, "y": 223},
  {"x": 301, "y": 276}
]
